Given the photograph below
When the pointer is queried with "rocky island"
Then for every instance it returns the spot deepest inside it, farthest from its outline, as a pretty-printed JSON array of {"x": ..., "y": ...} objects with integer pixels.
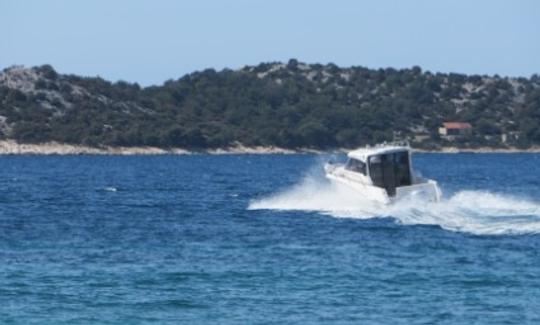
[{"x": 271, "y": 107}]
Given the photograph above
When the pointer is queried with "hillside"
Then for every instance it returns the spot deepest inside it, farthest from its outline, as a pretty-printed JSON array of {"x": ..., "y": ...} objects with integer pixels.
[{"x": 290, "y": 105}]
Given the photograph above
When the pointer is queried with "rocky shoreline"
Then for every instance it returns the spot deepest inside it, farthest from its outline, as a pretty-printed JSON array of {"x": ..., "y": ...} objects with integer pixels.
[
  {"x": 455, "y": 150},
  {"x": 10, "y": 147}
]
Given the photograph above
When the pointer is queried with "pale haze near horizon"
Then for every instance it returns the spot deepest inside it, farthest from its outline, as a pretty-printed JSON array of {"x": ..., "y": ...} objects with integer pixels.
[{"x": 151, "y": 41}]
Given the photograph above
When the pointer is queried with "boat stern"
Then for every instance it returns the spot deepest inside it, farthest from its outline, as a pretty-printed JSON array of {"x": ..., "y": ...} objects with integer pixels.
[{"x": 428, "y": 191}]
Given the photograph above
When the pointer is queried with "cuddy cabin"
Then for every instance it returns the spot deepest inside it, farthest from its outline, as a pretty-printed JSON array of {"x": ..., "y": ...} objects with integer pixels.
[{"x": 382, "y": 173}]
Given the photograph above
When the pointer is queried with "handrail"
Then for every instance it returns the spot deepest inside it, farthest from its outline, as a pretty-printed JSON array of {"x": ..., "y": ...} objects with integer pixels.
[{"x": 397, "y": 143}]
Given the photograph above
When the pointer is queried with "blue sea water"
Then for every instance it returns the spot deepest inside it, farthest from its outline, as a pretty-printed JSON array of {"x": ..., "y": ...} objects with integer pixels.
[{"x": 248, "y": 239}]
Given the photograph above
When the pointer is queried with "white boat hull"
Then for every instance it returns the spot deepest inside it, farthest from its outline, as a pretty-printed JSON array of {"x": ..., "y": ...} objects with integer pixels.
[{"x": 425, "y": 190}]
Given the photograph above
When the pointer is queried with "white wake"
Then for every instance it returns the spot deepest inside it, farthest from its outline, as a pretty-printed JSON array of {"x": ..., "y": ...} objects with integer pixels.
[{"x": 477, "y": 212}]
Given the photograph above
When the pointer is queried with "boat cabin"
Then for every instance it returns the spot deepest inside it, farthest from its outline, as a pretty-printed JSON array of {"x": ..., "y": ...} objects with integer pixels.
[{"x": 386, "y": 167}]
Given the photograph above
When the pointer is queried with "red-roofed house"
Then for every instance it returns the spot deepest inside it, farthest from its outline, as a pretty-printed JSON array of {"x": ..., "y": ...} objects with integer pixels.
[{"x": 455, "y": 129}]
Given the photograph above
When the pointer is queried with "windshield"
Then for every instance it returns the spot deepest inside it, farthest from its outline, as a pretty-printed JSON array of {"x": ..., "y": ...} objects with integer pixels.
[{"x": 356, "y": 165}]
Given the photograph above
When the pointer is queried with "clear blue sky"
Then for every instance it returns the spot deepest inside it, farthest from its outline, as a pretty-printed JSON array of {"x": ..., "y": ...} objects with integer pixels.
[{"x": 152, "y": 41}]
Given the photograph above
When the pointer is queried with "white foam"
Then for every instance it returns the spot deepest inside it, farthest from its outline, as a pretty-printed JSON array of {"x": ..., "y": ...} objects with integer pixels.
[{"x": 477, "y": 212}]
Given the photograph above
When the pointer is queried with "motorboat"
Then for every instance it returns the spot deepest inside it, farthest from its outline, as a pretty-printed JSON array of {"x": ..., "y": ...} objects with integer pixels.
[{"x": 383, "y": 173}]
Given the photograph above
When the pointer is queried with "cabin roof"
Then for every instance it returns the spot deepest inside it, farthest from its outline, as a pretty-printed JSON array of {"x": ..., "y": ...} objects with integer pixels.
[
  {"x": 457, "y": 125},
  {"x": 363, "y": 153}
]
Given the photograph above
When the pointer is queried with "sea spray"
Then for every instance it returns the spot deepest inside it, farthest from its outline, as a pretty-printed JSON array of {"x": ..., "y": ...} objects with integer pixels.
[{"x": 476, "y": 212}]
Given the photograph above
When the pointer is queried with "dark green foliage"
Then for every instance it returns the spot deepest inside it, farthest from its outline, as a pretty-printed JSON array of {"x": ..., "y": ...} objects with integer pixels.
[{"x": 289, "y": 105}]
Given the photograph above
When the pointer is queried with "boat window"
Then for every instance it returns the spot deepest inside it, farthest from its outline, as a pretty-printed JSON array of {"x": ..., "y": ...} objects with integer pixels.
[
  {"x": 375, "y": 171},
  {"x": 402, "y": 170},
  {"x": 389, "y": 173},
  {"x": 356, "y": 165}
]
